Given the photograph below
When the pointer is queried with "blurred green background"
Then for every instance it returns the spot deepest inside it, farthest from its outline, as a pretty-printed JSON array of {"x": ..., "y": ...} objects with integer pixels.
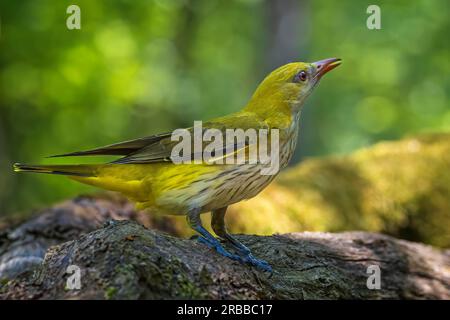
[{"x": 141, "y": 67}]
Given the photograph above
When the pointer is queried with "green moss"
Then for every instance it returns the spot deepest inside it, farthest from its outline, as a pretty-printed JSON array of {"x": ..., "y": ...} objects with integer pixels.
[
  {"x": 136, "y": 267},
  {"x": 110, "y": 293}
]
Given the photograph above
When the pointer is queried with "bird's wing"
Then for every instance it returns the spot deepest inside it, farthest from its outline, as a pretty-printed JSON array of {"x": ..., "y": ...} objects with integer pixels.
[
  {"x": 121, "y": 148},
  {"x": 161, "y": 150},
  {"x": 158, "y": 148}
]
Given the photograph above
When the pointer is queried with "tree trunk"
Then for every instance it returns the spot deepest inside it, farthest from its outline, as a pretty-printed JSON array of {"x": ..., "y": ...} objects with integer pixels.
[{"x": 124, "y": 260}]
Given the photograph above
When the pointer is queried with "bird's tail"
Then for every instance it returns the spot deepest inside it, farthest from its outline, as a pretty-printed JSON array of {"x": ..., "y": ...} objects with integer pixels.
[{"x": 84, "y": 170}]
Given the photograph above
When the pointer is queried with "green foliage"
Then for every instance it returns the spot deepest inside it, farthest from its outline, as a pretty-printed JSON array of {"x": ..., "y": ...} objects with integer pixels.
[
  {"x": 141, "y": 67},
  {"x": 392, "y": 81}
]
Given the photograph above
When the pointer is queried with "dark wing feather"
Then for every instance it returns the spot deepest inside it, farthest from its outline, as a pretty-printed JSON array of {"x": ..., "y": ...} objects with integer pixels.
[
  {"x": 161, "y": 149},
  {"x": 121, "y": 148},
  {"x": 158, "y": 148},
  {"x": 155, "y": 151}
]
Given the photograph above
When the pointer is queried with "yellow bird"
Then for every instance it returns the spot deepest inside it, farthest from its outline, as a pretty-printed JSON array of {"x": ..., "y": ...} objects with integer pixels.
[{"x": 147, "y": 175}]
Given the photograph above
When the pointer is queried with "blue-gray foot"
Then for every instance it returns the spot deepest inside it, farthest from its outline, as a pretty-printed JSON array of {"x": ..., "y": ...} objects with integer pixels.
[
  {"x": 219, "y": 248},
  {"x": 247, "y": 256},
  {"x": 259, "y": 263}
]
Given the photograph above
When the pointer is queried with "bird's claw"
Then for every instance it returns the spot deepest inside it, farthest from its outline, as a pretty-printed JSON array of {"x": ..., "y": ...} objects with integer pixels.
[
  {"x": 245, "y": 257},
  {"x": 218, "y": 247},
  {"x": 258, "y": 263}
]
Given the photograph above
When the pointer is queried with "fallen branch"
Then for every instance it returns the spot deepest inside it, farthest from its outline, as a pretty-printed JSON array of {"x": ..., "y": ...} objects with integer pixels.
[{"x": 124, "y": 260}]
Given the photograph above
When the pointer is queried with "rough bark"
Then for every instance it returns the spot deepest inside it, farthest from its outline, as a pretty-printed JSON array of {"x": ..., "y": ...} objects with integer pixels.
[
  {"x": 23, "y": 243},
  {"x": 125, "y": 260},
  {"x": 401, "y": 188}
]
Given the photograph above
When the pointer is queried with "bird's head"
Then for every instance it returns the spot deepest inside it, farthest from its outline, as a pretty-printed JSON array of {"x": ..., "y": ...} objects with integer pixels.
[{"x": 288, "y": 86}]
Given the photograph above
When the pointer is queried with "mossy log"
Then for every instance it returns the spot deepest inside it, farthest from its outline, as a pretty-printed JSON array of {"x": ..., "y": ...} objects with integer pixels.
[
  {"x": 125, "y": 260},
  {"x": 401, "y": 188}
]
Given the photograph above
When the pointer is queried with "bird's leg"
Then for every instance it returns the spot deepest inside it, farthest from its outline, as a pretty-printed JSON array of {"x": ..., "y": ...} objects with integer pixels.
[
  {"x": 218, "y": 225},
  {"x": 193, "y": 218}
]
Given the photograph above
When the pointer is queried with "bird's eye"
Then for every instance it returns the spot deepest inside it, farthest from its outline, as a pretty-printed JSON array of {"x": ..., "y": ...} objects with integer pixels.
[{"x": 301, "y": 76}]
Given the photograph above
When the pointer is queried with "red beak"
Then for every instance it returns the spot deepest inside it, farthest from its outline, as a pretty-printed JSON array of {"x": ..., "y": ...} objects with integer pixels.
[{"x": 323, "y": 66}]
